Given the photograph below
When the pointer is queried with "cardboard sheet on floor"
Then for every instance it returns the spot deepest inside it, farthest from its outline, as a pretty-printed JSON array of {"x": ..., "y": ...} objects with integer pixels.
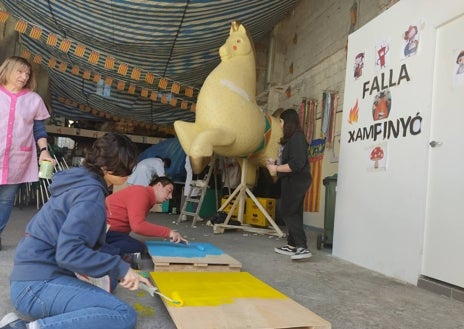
[
  {"x": 232, "y": 300},
  {"x": 196, "y": 256}
]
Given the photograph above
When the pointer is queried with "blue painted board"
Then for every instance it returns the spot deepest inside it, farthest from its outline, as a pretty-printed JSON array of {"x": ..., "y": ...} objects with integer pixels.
[{"x": 191, "y": 250}]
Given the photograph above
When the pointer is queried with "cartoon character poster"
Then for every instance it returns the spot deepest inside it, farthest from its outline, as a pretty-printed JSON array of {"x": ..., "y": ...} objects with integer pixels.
[
  {"x": 358, "y": 65},
  {"x": 382, "y": 105},
  {"x": 411, "y": 37},
  {"x": 377, "y": 156},
  {"x": 382, "y": 50},
  {"x": 459, "y": 68},
  {"x": 460, "y": 62}
]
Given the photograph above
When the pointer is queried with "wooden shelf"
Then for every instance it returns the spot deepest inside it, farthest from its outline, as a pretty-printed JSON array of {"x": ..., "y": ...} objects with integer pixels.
[{"x": 67, "y": 131}]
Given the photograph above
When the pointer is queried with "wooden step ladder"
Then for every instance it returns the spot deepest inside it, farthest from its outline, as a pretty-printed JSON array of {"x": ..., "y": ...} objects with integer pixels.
[{"x": 201, "y": 184}]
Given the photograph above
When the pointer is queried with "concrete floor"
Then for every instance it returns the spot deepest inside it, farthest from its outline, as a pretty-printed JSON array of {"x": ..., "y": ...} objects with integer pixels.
[{"x": 348, "y": 296}]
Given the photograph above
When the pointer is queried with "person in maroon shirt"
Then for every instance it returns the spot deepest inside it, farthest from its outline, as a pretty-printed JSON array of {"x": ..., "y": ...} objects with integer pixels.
[{"x": 126, "y": 212}]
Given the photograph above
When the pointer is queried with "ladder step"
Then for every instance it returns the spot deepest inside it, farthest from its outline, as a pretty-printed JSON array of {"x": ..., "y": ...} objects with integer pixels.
[
  {"x": 189, "y": 213},
  {"x": 199, "y": 184},
  {"x": 202, "y": 185}
]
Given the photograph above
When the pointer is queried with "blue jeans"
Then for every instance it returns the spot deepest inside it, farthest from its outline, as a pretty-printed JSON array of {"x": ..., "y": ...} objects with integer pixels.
[
  {"x": 7, "y": 197},
  {"x": 124, "y": 243},
  {"x": 67, "y": 302}
]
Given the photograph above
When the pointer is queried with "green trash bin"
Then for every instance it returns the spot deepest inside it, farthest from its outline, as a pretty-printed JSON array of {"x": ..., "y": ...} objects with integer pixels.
[
  {"x": 209, "y": 206},
  {"x": 330, "y": 184}
]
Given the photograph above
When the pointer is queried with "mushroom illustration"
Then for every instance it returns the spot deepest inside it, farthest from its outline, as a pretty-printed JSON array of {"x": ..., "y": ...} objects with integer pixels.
[{"x": 376, "y": 155}]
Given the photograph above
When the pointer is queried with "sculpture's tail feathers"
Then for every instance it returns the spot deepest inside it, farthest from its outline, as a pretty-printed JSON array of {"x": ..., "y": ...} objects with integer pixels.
[{"x": 186, "y": 133}]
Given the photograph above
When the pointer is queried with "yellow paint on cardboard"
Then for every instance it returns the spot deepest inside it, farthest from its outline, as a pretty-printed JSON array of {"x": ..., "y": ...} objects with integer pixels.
[{"x": 212, "y": 288}]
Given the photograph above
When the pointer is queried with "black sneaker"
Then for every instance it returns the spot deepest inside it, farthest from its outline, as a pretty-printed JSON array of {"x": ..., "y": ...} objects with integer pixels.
[
  {"x": 302, "y": 253},
  {"x": 286, "y": 250},
  {"x": 11, "y": 321},
  {"x": 134, "y": 259}
]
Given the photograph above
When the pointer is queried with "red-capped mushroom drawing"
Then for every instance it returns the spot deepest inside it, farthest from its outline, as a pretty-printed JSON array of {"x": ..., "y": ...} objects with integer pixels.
[{"x": 376, "y": 155}]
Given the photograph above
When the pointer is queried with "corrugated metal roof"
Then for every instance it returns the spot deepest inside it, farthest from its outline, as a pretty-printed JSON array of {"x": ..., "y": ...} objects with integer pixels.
[{"x": 154, "y": 54}]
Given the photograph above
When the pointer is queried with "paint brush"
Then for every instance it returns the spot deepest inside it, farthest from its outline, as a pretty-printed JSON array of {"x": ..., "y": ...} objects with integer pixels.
[{"x": 153, "y": 290}]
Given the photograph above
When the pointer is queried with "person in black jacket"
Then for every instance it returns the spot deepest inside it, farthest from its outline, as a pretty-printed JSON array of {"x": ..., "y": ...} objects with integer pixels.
[{"x": 292, "y": 169}]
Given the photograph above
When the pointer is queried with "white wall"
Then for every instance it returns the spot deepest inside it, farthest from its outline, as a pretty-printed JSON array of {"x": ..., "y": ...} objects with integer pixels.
[{"x": 380, "y": 214}]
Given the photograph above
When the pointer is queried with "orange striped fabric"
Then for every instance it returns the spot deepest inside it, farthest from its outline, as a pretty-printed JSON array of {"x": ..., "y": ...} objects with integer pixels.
[
  {"x": 316, "y": 155},
  {"x": 313, "y": 196}
]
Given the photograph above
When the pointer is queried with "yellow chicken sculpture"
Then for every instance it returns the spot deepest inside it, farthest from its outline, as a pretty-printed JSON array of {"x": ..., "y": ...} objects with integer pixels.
[{"x": 228, "y": 120}]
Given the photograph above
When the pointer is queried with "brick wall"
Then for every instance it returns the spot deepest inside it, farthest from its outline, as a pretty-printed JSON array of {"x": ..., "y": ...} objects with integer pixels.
[{"x": 308, "y": 56}]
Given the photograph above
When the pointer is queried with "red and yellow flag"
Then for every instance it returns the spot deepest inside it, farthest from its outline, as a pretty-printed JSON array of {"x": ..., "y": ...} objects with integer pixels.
[
  {"x": 3, "y": 16},
  {"x": 21, "y": 26},
  {"x": 80, "y": 50},
  {"x": 149, "y": 77},
  {"x": 163, "y": 83},
  {"x": 109, "y": 63},
  {"x": 35, "y": 33},
  {"x": 65, "y": 45},
  {"x": 52, "y": 39},
  {"x": 135, "y": 75},
  {"x": 94, "y": 57},
  {"x": 123, "y": 68}
]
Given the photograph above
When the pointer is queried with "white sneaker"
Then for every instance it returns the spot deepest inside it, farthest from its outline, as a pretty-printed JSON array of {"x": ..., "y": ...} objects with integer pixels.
[
  {"x": 302, "y": 253},
  {"x": 183, "y": 218},
  {"x": 10, "y": 317},
  {"x": 286, "y": 250},
  {"x": 11, "y": 320}
]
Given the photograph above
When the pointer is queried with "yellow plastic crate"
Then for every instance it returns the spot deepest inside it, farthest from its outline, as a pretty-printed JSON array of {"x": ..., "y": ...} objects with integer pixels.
[
  {"x": 229, "y": 206},
  {"x": 254, "y": 216}
]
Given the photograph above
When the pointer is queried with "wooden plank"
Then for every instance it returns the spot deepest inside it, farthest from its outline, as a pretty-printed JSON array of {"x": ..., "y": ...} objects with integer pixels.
[
  {"x": 248, "y": 313},
  {"x": 212, "y": 263},
  {"x": 220, "y": 228},
  {"x": 70, "y": 131},
  {"x": 247, "y": 302}
]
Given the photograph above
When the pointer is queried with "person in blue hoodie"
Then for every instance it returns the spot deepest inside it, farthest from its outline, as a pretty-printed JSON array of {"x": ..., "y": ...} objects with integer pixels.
[{"x": 64, "y": 240}]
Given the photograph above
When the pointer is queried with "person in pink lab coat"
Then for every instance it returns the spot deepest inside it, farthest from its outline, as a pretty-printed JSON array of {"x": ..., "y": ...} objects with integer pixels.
[{"x": 22, "y": 132}]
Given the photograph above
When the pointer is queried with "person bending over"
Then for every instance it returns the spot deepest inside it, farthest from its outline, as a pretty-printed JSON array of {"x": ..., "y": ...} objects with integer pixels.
[
  {"x": 126, "y": 212},
  {"x": 147, "y": 169}
]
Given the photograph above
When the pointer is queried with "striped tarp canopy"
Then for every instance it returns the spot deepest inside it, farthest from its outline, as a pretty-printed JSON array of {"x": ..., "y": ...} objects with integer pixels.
[{"x": 133, "y": 59}]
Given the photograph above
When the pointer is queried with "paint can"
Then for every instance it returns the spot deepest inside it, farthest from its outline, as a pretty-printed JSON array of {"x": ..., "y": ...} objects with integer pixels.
[{"x": 46, "y": 169}]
